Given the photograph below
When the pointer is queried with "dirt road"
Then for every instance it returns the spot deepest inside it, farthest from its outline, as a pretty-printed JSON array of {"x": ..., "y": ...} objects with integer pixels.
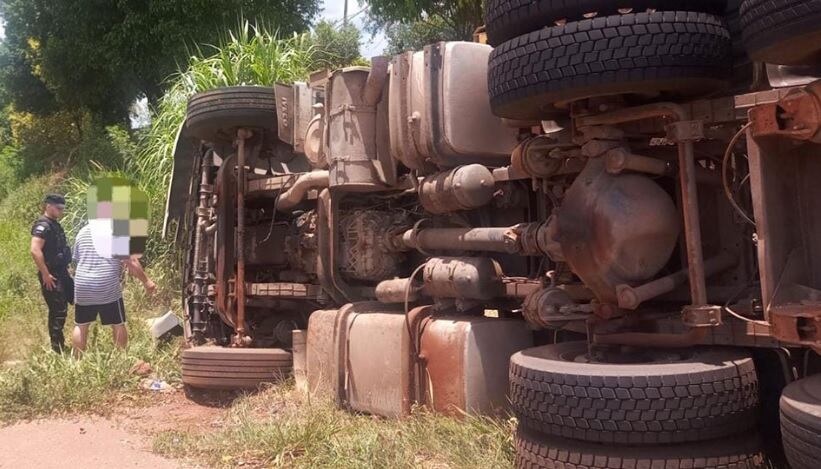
[
  {"x": 85, "y": 442},
  {"x": 122, "y": 440}
]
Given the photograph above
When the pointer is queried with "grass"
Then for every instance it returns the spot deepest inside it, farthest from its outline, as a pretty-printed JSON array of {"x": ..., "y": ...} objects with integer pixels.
[
  {"x": 282, "y": 427},
  {"x": 41, "y": 382}
]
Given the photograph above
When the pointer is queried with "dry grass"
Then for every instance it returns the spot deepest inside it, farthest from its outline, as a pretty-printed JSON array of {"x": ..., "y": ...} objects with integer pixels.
[{"x": 281, "y": 427}]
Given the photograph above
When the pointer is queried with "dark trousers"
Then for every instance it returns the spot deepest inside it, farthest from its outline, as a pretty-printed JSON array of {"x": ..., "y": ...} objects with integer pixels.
[{"x": 57, "y": 301}]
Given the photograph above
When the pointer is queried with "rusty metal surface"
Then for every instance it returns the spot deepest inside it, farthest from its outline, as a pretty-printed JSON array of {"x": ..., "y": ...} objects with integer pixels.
[
  {"x": 630, "y": 297},
  {"x": 284, "y": 290},
  {"x": 797, "y": 324},
  {"x": 240, "y": 339},
  {"x": 478, "y": 278},
  {"x": 784, "y": 173},
  {"x": 463, "y": 188},
  {"x": 542, "y": 157},
  {"x": 325, "y": 240},
  {"x": 797, "y": 115},
  {"x": 226, "y": 187},
  {"x": 620, "y": 159},
  {"x": 397, "y": 290},
  {"x": 615, "y": 229},
  {"x": 520, "y": 287},
  {"x": 351, "y": 135},
  {"x": 503, "y": 239},
  {"x": 701, "y": 316},
  {"x": 466, "y": 363},
  {"x": 692, "y": 222},
  {"x": 377, "y": 350},
  {"x": 298, "y": 188},
  {"x": 198, "y": 284},
  {"x": 269, "y": 184},
  {"x": 544, "y": 308},
  {"x": 405, "y": 113},
  {"x": 321, "y": 357}
]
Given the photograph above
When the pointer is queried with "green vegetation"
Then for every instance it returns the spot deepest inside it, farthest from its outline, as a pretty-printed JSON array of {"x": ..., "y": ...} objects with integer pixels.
[
  {"x": 282, "y": 427},
  {"x": 39, "y": 382},
  {"x": 56, "y": 152},
  {"x": 84, "y": 55},
  {"x": 412, "y": 25}
]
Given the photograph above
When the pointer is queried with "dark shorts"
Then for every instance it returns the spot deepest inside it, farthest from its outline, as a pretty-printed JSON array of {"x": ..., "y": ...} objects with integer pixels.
[{"x": 111, "y": 314}]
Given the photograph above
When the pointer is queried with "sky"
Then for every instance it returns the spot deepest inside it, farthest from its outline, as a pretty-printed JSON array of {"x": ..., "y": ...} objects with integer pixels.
[{"x": 333, "y": 10}]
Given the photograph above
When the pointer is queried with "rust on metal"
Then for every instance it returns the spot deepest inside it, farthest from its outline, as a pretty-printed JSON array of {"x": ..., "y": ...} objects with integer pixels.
[
  {"x": 241, "y": 339},
  {"x": 620, "y": 159},
  {"x": 797, "y": 324},
  {"x": 520, "y": 287},
  {"x": 701, "y": 316},
  {"x": 630, "y": 297},
  {"x": 797, "y": 115},
  {"x": 413, "y": 385},
  {"x": 447, "y": 395},
  {"x": 462, "y": 188},
  {"x": 478, "y": 278},
  {"x": 284, "y": 290}
]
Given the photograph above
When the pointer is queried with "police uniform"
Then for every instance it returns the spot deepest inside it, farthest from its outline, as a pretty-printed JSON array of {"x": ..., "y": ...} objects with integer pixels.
[{"x": 57, "y": 256}]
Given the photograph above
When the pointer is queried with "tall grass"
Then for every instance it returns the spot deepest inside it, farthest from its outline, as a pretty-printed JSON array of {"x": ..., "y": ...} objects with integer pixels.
[
  {"x": 250, "y": 55},
  {"x": 17, "y": 273}
]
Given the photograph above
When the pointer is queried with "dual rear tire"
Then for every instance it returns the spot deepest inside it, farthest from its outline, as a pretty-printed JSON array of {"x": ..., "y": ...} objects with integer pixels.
[
  {"x": 801, "y": 422},
  {"x": 661, "y": 54},
  {"x": 550, "y": 53},
  {"x": 667, "y": 409}
]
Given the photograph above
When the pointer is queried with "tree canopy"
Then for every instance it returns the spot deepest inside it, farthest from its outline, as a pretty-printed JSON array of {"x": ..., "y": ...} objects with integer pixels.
[
  {"x": 100, "y": 55},
  {"x": 412, "y": 24}
]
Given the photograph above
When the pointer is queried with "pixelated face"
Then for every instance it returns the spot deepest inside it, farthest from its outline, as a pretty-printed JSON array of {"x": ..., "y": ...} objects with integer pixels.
[{"x": 118, "y": 218}]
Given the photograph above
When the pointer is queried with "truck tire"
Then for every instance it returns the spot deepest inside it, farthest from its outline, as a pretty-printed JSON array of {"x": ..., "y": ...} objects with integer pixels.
[
  {"x": 801, "y": 422},
  {"x": 214, "y": 115},
  {"x": 706, "y": 394},
  {"x": 212, "y": 367},
  {"x": 506, "y": 19},
  {"x": 673, "y": 52},
  {"x": 786, "y": 32},
  {"x": 534, "y": 451}
]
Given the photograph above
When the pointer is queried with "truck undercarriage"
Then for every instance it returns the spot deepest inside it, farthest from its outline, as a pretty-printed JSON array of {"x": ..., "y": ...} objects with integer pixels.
[{"x": 625, "y": 257}]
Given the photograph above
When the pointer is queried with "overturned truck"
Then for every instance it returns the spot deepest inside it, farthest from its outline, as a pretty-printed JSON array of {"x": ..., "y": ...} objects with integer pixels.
[{"x": 609, "y": 223}]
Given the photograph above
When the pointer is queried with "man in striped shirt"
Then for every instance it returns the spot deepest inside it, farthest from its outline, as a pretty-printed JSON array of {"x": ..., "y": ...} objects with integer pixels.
[{"x": 97, "y": 290}]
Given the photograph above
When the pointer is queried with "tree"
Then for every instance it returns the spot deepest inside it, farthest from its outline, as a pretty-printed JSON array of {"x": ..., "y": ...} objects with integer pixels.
[
  {"x": 412, "y": 24},
  {"x": 415, "y": 35},
  {"x": 101, "y": 55},
  {"x": 336, "y": 47}
]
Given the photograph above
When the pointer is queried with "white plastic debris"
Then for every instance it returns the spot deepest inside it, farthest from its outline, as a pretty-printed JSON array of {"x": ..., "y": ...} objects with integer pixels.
[
  {"x": 155, "y": 384},
  {"x": 168, "y": 323}
]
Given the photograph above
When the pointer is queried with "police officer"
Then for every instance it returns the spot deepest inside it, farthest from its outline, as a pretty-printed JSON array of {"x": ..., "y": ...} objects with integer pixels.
[{"x": 52, "y": 255}]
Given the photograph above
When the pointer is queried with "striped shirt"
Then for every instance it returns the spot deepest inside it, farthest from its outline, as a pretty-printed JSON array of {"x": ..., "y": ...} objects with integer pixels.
[{"x": 96, "y": 279}]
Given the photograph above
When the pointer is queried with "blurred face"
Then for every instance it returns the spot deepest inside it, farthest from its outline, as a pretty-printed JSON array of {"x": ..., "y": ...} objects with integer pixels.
[
  {"x": 55, "y": 211},
  {"x": 118, "y": 218}
]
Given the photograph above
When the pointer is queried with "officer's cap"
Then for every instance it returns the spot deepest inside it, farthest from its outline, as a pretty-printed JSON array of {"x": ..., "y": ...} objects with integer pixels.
[{"x": 55, "y": 199}]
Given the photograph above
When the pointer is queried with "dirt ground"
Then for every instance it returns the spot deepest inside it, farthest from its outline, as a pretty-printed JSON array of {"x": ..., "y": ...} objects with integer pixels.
[{"x": 121, "y": 440}]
